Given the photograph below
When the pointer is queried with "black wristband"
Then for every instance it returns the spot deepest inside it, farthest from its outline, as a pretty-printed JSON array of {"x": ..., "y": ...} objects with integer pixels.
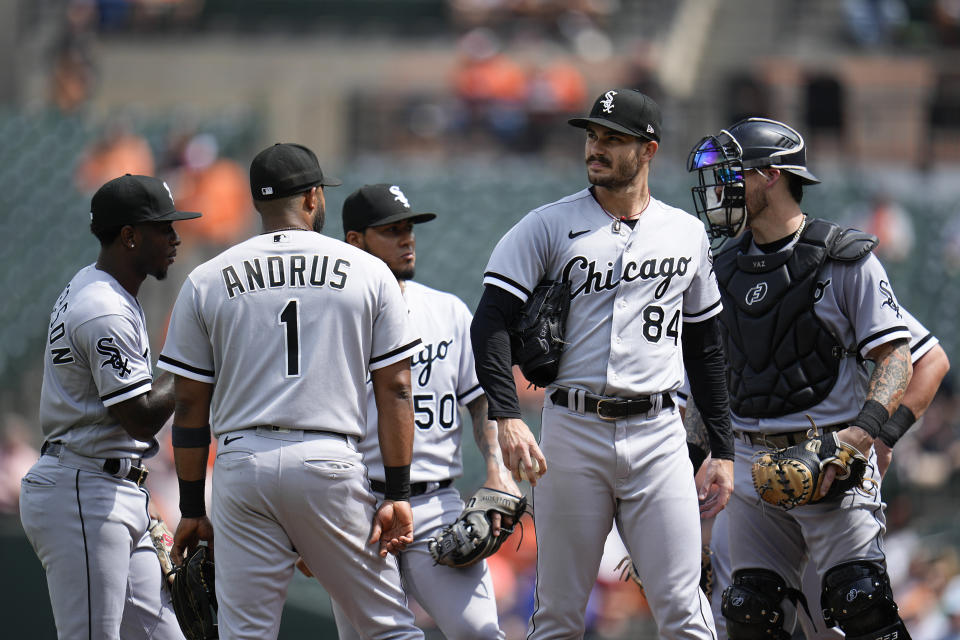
[
  {"x": 898, "y": 424},
  {"x": 190, "y": 437},
  {"x": 192, "y": 500},
  {"x": 397, "y": 485},
  {"x": 871, "y": 417}
]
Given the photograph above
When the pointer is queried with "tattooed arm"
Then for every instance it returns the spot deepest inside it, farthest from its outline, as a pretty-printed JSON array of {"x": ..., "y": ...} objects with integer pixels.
[
  {"x": 887, "y": 385},
  {"x": 498, "y": 476},
  {"x": 485, "y": 434}
]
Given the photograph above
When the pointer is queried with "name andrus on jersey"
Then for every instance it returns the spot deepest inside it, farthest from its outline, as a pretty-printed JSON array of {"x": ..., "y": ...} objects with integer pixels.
[
  {"x": 595, "y": 280},
  {"x": 275, "y": 272}
]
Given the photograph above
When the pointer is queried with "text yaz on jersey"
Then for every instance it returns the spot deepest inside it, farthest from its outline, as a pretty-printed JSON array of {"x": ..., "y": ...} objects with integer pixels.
[{"x": 275, "y": 272}]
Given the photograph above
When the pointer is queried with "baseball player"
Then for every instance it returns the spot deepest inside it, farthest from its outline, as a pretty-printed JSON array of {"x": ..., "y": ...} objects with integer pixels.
[
  {"x": 271, "y": 343},
  {"x": 83, "y": 504},
  {"x": 379, "y": 219},
  {"x": 930, "y": 365},
  {"x": 644, "y": 304},
  {"x": 806, "y": 303}
]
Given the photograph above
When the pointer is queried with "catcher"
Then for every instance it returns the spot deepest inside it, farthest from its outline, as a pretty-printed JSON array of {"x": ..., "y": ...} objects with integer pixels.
[{"x": 806, "y": 306}]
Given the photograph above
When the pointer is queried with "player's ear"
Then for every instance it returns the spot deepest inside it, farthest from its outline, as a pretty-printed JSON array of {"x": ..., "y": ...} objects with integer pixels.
[
  {"x": 128, "y": 236},
  {"x": 356, "y": 239},
  {"x": 648, "y": 149}
]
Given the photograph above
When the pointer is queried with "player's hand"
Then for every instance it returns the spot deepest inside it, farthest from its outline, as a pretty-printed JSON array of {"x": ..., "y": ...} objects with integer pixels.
[
  {"x": 501, "y": 482},
  {"x": 855, "y": 436},
  {"x": 884, "y": 456},
  {"x": 302, "y": 566},
  {"x": 715, "y": 488},
  {"x": 189, "y": 533},
  {"x": 392, "y": 527},
  {"x": 518, "y": 446}
]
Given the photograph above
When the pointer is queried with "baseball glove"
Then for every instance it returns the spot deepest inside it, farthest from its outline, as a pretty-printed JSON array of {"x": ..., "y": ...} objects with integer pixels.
[
  {"x": 470, "y": 538},
  {"x": 791, "y": 477},
  {"x": 193, "y": 596},
  {"x": 536, "y": 340},
  {"x": 163, "y": 542}
]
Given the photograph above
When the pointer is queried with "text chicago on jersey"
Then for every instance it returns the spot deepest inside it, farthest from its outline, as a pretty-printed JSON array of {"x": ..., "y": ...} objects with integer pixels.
[
  {"x": 284, "y": 271},
  {"x": 595, "y": 280}
]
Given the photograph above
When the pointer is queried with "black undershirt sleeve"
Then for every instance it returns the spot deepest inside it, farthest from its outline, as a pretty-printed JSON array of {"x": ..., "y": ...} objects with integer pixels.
[
  {"x": 706, "y": 366},
  {"x": 497, "y": 310}
]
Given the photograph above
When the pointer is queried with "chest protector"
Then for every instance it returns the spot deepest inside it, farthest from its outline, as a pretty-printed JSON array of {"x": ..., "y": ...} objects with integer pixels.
[{"x": 782, "y": 358}]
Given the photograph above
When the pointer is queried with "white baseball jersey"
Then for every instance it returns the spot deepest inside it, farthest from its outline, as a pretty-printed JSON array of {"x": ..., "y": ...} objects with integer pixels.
[
  {"x": 632, "y": 288},
  {"x": 97, "y": 355},
  {"x": 443, "y": 379},
  {"x": 855, "y": 301},
  {"x": 314, "y": 285}
]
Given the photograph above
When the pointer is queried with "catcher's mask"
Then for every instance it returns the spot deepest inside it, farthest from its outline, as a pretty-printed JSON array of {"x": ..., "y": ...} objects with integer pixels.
[
  {"x": 722, "y": 160},
  {"x": 720, "y": 196}
]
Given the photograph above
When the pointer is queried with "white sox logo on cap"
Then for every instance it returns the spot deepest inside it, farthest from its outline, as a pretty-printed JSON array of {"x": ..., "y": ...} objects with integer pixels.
[
  {"x": 756, "y": 293},
  {"x": 399, "y": 197},
  {"x": 608, "y": 101}
]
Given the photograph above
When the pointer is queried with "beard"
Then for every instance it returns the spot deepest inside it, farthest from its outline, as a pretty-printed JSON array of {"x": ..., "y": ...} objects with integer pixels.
[
  {"x": 405, "y": 273},
  {"x": 623, "y": 172},
  {"x": 319, "y": 218}
]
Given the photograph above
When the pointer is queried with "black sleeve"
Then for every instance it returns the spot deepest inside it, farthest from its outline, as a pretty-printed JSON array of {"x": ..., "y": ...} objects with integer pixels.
[
  {"x": 497, "y": 310},
  {"x": 706, "y": 366}
]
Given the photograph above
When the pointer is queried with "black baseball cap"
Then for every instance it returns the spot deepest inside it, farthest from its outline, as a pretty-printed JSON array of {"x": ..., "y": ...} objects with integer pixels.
[
  {"x": 373, "y": 205},
  {"x": 286, "y": 169},
  {"x": 627, "y": 111},
  {"x": 133, "y": 199}
]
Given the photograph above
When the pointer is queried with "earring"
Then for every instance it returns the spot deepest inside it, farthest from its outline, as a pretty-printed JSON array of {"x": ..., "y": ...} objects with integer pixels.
[{"x": 131, "y": 245}]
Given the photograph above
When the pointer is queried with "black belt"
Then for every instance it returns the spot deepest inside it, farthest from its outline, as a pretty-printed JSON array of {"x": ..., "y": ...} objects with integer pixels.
[
  {"x": 416, "y": 488},
  {"x": 785, "y": 439},
  {"x": 612, "y": 408},
  {"x": 136, "y": 474}
]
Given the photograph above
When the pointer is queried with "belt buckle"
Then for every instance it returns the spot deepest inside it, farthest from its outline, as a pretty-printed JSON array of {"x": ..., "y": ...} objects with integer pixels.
[
  {"x": 142, "y": 477},
  {"x": 276, "y": 429},
  {"x": 600, "y": 414}
]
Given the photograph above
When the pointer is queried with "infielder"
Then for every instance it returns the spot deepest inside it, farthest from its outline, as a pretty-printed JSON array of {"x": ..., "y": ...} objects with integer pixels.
[
  {"x": 644, "y": 304},
  {"x": 804, "y": 308},
  {"x": 379, "y": 219},
  {"x": 930, "y": 365},
  {"x": 83, "y": 504},
  {"x": 272, "y": 342}
]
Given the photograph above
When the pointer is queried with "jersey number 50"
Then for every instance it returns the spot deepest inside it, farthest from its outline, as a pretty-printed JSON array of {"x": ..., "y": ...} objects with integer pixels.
[{"x": 427, "y": 409}]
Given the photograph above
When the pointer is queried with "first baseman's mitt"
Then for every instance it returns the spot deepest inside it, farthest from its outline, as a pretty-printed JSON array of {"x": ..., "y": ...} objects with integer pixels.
[
  {"x": 536, "y": 340},
  {"x": 791, "y": 477},
  {"x": 470, "y": 538},
  {"x": 193, "y": 596}
]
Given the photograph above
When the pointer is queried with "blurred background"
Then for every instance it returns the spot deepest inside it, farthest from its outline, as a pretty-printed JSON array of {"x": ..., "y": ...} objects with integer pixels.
[{"x": 464, "y": 104}]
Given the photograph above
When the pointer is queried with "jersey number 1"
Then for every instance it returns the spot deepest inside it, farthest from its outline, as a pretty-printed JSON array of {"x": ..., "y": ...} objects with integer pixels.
[{"x": 290, "y": 318}]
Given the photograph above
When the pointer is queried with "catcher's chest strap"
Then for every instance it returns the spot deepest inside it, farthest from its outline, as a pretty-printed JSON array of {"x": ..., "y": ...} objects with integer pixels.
[
  {"x": 611, "y": 408},
  {"x": 416, "y": 488},
  {"x": 781, "y": 440}
]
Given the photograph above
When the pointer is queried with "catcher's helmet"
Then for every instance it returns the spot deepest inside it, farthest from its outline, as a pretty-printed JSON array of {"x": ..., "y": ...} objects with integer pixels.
[{"x": 721, "y": 161}]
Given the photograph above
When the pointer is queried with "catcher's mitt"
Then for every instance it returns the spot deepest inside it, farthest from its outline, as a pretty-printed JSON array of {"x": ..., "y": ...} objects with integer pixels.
[
  {"x": 536, "y": 340},
  {"x": 193, "y": 596},
  {"x": 470, "y": 538},
  {"x": 163, "y": 542},
  {"x": 791, "y": 477}
]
